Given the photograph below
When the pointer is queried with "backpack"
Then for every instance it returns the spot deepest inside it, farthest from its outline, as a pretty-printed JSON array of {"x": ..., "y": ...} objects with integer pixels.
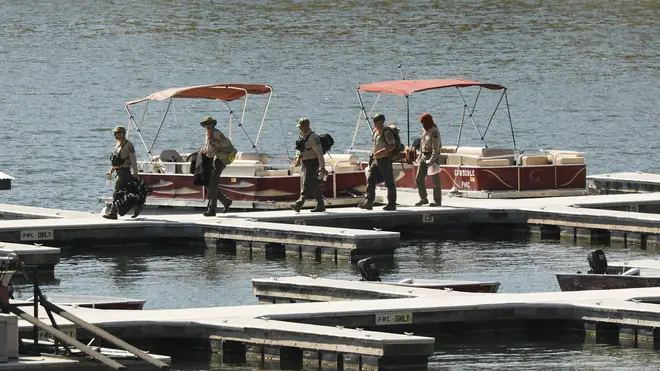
[
  {"x": 326, "y": 142},
  {"x": 398, "y": 146}
]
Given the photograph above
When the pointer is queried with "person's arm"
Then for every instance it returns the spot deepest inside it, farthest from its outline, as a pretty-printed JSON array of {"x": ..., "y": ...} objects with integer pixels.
[
  {"x": 435, "y": 144},
  {"x": 316, "y": 146},
  {"x": 391, "y": 144},
  {"x": 134, "y": 166}
]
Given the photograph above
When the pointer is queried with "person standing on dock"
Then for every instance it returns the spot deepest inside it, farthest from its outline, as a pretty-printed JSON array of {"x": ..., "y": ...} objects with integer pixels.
[
  {"x": 380, "y": 165},
  {"x": 219, "y": 148},
  {"x": 429, "y": 149},
  {"x": 310, "y": 153},
  {"x": 123, "y": 162}
]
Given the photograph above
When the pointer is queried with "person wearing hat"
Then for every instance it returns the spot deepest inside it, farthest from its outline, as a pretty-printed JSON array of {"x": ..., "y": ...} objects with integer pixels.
[
  {"x": 310, "y": 153},
  {"x": 219, "y": 148},
  {"x": 429, "y": 148},
  {"x": 380, "y": 165},
  {"x": 123, "y": 163}
]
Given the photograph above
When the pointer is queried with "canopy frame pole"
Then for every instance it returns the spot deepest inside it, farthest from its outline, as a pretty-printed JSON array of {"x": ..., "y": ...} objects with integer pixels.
[
  {"x": 240, "y": 122},
  {"x": 131, "y": 119},
  {"x": 357, "y": 124},
  {"x": 493, "y": 115},
  {"x": 472, "y": 118},
  {"x": 162, "y": 121},
  {"x": 460, "y": 129},
  {"x": 366, "y": 117},
  {"x": 178, "y": 129},
  {"x": 508, "y": 110},
  {"x": 408, "y": 114},
  {"x": 263, "y": 117}
]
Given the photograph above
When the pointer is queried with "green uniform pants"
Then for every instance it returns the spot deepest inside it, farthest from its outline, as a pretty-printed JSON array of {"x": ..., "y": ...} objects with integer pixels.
[
  {"x": 310, "y": 182},
  {"x": 122, "y": 177},
  {"x": 381, "y": 168},
  {"x": 213, "y": 188},
  {"x": 422, "y": 170}
]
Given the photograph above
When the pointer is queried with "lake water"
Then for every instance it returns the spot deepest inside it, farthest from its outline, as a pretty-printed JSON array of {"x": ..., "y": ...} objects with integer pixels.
[{"x": 580, "y": 76}]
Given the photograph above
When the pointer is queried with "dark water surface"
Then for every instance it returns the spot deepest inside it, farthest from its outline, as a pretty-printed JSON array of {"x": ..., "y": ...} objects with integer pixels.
[{"x": 582, "y": 75}]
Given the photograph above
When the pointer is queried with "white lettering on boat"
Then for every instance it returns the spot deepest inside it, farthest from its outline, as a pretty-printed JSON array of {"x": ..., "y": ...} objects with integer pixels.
[{"x": 463, "y": 172}]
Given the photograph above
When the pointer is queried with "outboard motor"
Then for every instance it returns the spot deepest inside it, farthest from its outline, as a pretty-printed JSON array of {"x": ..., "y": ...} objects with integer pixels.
[
  {"x": 368, "y": 270},
  {"x": 597, "y": 262}
]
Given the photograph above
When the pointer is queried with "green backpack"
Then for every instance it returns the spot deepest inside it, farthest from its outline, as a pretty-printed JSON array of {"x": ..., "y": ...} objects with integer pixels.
[{"x": 398, "y": 146}]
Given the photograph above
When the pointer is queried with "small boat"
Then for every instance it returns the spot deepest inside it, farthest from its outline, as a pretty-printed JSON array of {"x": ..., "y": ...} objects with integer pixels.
[
  {"x": 465, "y": 286},
  {"x": 96, "y": 302},
  {"x": 369, "y": 272},
  {"x": 486, "y": 171},
  {"x": 254, "y": 180},
  {"x": 600, "y": 277}
]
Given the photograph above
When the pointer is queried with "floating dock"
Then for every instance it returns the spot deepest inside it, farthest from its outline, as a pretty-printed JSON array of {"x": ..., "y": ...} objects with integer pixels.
[
  {"x": 627, "y": 182},
  {"x": 41, "y": 258},
  {"x": 392, "y": 334},
  {"x": 343, "y": 234}
]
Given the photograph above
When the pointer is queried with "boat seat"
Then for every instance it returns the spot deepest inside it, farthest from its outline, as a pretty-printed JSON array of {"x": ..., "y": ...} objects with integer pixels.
[
  {"x": 467, "y": 156},
  {"x": 535, "y": 160},
  {"x": 253, "y": 156},
  {"x": 566, "y": 157},
  {"x": 242, "y": 168},
  {"x": 272, "y": 173},
  {"x": 171, "y": 155}
]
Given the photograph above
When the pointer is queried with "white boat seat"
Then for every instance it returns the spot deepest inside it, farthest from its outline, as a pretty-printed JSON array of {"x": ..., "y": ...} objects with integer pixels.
[
  {"x": 631, "y": 272},
  {"x": 170, "y": 155},
  {"x": 272, "y": 172},
  {"x": 480, "y": 156},
  {"x": 253, "y": 156},
  {"x": 535, "y": 160}
]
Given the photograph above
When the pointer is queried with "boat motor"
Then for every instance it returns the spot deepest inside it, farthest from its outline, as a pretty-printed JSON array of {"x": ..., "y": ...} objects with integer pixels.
[
  {"x": 368, "y": 270},
  {"x": 597, "y": 262}
]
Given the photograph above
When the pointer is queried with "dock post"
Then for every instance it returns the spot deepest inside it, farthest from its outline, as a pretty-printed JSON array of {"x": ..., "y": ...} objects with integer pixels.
[
  {"x": 284, "y": 358},
  {"x": 647, "y": 338},
  {"x": 351, "y": 362},
  {"x": 403, "y": 363},
  {"x": 625, "y": 238},
  {"x": 254, "y": 355},
  {"x": 627, "y": 337},
  {"x": 601, "y": 333},
  {"x": 267, "y": 249},
  {"x": 310, "y": 252},
  {"x": 311, "y": 360},
  {"x": 651, "y": 240},
  {"x": 244, "y": 249},
  {"x": 293, "y": 251},
  {"x": 228, "y": 350},
  {"x": 545, "y": 232},
  {"x": 568, "y": 233},
  {"x": 330, "y": 361}
]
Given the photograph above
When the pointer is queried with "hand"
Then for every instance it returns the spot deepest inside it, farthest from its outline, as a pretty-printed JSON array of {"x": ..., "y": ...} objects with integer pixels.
[
  {"x": 296, "y": 162},
  {"x": 324, "y": 171},
  {"x": 202, "y": 150},
  {"x": 108, "y": 173},
  {"x": 431, "y": 163}
]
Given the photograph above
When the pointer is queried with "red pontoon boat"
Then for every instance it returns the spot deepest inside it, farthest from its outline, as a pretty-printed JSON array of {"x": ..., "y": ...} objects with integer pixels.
[
  {"x": 254, "y": 180},
  {"x": 484, "y": 171}
]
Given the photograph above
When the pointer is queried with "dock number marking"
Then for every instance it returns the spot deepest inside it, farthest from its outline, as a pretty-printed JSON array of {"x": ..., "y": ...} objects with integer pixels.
[
  {"x": 299, "y": 222},
  {"x": 427, "y": 218},
  {"x": 37, "y": 235},
  {"x": 394, "y": 318},
  {"x": 71, "y": 332}
]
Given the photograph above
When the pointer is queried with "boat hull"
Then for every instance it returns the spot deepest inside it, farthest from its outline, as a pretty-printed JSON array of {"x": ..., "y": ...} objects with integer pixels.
[
  {"x": 579, "y": 282},
  {"x": 498, "y": 178},
  {"x": 253, "y": 189},
  {"x": 468, "y": 286}
]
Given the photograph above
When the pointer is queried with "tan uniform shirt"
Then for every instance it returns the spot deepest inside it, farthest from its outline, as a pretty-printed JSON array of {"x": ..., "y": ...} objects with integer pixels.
[
  {"x": 312, "y": 150},
  {"x": 216, "y": 143},
  {"x": 127, "y": 154},
  {"x": 382, "y": 139},
  {"x": 430, "y": 144}
]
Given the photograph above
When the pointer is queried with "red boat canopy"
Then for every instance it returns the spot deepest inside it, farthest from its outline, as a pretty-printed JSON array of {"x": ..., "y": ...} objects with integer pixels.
[
  {"x": 406, "y": 87},
  {"x": 224, "y": 92}
]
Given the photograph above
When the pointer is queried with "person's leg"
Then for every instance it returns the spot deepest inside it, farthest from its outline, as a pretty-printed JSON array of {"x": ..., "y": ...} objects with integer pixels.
[
  {"x": 371, "y": 187},
  {"x": 213, "y": 189},
  {"x": 304, "y": 186},
  {"x": 122, "y": 177},
  {"x": 219, "y": 167},
  {"x": 315, "y": 186},
  {"x": 420, "y": 180},
  {"x": 385, "y": 168},
  {"x": 437, "y": 190}
]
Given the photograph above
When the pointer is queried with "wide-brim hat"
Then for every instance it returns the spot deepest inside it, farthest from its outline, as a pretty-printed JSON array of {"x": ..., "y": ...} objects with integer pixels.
[
  {"x": 119, "y": 129},
  {"x": 208, "y": 120}
]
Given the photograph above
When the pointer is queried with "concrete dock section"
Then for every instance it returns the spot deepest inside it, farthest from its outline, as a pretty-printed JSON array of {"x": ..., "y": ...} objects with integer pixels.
[{"x": 33, "y": 256}]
